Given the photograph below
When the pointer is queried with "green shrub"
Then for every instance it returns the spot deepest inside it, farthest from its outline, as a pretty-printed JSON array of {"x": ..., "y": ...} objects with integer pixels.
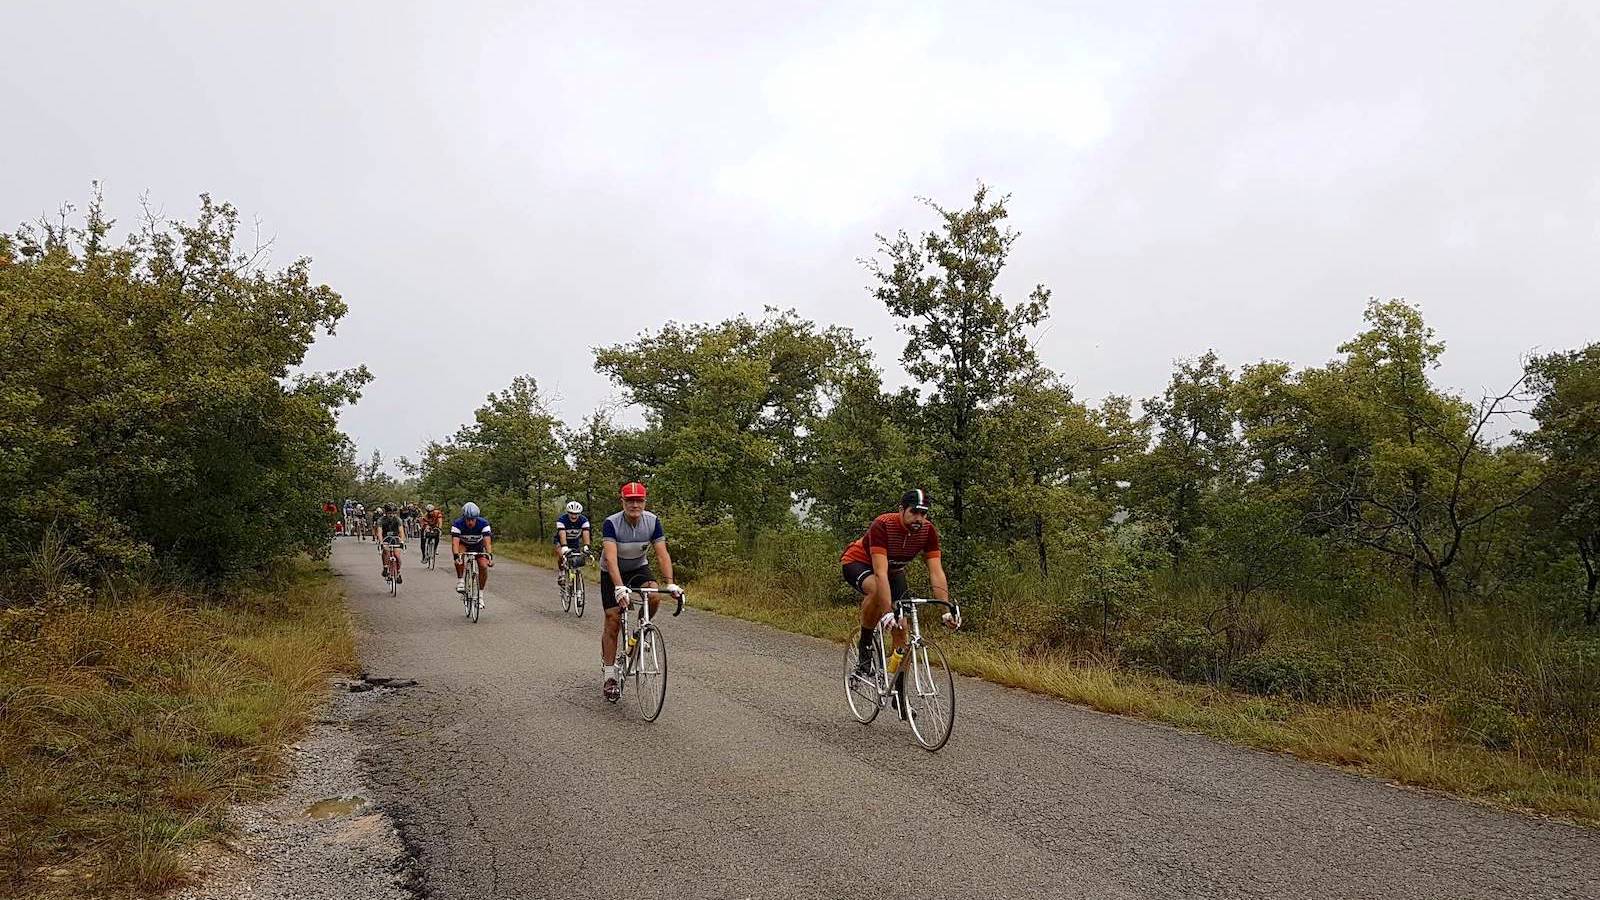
[
  {"x": 1484, "y": 719},
  {"x": 1292, "y": 670},
  {"x": 1178, "y": 649}
]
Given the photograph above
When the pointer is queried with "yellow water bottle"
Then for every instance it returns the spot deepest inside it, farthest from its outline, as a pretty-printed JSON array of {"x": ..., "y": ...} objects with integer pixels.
[{"x": 894, "y": 660}]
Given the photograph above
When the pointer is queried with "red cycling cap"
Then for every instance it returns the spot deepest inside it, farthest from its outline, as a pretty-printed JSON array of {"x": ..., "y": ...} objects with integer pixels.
[{"x": 633, "y": 489}]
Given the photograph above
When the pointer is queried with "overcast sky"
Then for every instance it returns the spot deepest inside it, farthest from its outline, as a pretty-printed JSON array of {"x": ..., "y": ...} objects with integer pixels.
[{"x": 496, "y": 188}]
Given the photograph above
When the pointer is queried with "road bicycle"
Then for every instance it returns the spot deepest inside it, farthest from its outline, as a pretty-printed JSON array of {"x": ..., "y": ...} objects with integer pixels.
[
  {"x": 391, "y": 565},
  {"x": 920, "y": 686},
  {"x": 430, "y": 547},
  {"x": 642, "y": 654},
  {"x": 572, "y": 589},
  {"x": 471, "y": 596}
]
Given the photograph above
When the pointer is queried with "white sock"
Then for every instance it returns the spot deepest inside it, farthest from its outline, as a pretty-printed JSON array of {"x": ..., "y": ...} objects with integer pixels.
[{"x": 609, "y": 671}]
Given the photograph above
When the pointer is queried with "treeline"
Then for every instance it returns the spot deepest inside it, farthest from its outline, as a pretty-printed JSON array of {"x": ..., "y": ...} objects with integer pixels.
[
  {"x": 149, "y": 422},
  {"x": 1308, "y": 531}
]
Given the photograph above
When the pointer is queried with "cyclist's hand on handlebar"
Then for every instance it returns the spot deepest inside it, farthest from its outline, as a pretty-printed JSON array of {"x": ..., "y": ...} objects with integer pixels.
[
  {"x": 952, "y": 620},
  {"x": 488, "y": 560},
  {"x": 624, "y": 596},
  {"x": 674, "y": 590}
]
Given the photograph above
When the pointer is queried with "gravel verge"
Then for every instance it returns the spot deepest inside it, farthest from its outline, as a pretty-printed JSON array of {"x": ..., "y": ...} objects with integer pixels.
[{"x": 322, "y": 836}]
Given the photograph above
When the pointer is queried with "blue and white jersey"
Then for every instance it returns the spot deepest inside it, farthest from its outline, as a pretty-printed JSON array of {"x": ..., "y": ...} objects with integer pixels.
[
  {"x": 633, "y": 540},
  {"x": 471, "y": 534},
  {"x": 573, "y": 526}
]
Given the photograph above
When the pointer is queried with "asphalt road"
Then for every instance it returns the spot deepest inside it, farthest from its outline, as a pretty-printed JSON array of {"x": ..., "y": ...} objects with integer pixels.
[{"x": 509, "y": 776}]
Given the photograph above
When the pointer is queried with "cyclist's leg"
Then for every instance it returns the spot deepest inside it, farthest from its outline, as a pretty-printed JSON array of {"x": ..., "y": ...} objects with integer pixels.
[{"x": 643, "y": 578}]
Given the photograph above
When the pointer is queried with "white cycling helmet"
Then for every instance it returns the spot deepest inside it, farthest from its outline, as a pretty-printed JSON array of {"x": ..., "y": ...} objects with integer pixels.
[
  {"x": 574, "y": 507},
  {"x": 470, "y": 510}
]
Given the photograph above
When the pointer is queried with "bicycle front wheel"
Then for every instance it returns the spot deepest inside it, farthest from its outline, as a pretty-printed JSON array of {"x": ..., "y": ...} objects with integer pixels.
[
  {"x": 578, "y": 594},
  {"x": 650, "y": 672},
  {"x": 860, "y": 691},
  {"x": 929, "y": 693},
  {"x": 566, "y": 592}
]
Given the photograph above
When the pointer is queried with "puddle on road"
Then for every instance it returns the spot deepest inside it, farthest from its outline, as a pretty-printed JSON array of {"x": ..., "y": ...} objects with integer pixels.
[{"x": 333, "y": 806}]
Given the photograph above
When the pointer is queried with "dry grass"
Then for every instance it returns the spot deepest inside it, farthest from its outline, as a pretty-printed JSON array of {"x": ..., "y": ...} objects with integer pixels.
[{"x": 127, "y": 727}]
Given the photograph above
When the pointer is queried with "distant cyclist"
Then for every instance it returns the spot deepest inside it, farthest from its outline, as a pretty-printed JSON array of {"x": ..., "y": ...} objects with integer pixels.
[
  {"x": 626, "y": 538},
  {"x": 875, "y": 565},
  {"x": 389, "y": 531},
  {"x": 471, "y": 532},
  {"x": 432, "y": 524},
  {"x": 572, "y": 535}
]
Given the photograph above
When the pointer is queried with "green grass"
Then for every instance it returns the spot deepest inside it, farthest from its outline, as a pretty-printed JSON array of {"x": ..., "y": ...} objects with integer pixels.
[{"x": 128, "y": 727}]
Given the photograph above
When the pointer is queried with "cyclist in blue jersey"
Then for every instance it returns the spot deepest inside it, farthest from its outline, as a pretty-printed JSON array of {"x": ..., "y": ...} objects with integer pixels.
[
  {"x": 572, "y": 534},
  {"x": 471, "y": 532}
]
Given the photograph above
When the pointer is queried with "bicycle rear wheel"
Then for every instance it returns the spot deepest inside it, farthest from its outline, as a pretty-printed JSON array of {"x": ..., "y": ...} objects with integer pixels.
[
  {"x": 859, "y": 691},
  {"x": 650, "y": 672},
  {"x": 929, "y": 693}
]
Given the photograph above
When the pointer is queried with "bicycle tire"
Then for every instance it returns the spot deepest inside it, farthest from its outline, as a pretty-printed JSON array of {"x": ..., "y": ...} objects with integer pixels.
[
  {"x": 650, "y": 672},
  {"x": 929, "y": 696},
  {"x": 578, "y": 600},
  {"x": 862, "y": 695},
  {"x": 566, "y": 593}
]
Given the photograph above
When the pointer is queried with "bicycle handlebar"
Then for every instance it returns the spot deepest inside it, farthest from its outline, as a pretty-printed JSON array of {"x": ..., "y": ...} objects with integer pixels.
[{"x": 679, "y": 595}]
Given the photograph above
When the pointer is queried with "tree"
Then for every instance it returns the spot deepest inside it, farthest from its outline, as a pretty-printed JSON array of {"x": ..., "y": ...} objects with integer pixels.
[
  {"x": 730, "y": 407},
  {"x": 1566, "y": 393},
  {"x": 1382, "y": 459},
  {"x": 964, "y": 340},
  {"x": 147, "y": 405},
  {"x": 861, "y": 457},
  {"x": 1045, "y": 447},
  {"x": 1195, "y": 445},
  {"x": 512, "y": 450},
  {"x": 592, "y": 450}
]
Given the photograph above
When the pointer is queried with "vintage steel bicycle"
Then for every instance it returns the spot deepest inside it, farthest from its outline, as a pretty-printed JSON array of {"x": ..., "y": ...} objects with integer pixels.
[
  {"x": 921, "y": 688},
  {"x": 573, "y": 593},
  {"x": 472, "y": 594},
  {"x": 642, "y": 653},
  {"x": 391, "y": 564}
]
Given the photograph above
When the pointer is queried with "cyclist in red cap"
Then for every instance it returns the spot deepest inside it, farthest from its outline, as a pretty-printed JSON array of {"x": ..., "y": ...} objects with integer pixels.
[{"x": 626, "y": 539}]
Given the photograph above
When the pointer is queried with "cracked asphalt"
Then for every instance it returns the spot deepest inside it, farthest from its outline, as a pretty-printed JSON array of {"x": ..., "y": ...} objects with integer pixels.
[{"x": 509, "y": 777}]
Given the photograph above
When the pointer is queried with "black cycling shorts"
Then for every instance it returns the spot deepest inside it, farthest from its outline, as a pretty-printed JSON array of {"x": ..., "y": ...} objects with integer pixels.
[
  {"x": 856, "y": 572},
  {"x": 633, "y": 578}
]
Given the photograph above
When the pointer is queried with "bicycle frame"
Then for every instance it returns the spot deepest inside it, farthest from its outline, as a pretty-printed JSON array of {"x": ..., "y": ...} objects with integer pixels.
[
  {"x": 904, "y": 611},
  {"x": 624, "y": 658}
]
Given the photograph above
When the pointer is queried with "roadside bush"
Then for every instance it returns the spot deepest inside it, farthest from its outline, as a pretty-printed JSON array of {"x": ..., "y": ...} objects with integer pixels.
[
  {"x": 1292, "y": 670},
  {"x": 1177, "y": 649}
]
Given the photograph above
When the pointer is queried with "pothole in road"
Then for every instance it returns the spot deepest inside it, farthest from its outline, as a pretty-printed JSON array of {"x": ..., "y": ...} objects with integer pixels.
[
  {"x": 366, "y": 682},
  {"x": 333, "y": 807}
]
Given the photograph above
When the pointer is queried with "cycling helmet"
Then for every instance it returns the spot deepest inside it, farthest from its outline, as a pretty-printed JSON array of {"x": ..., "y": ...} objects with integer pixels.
[
  {"x": 633, "y": 489},
  {"x": 470, "y": 510},
  {"x": 574, "y": 507},
  {"x": 430, "y": 507},
  {"x": 915, "y": 500}
]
